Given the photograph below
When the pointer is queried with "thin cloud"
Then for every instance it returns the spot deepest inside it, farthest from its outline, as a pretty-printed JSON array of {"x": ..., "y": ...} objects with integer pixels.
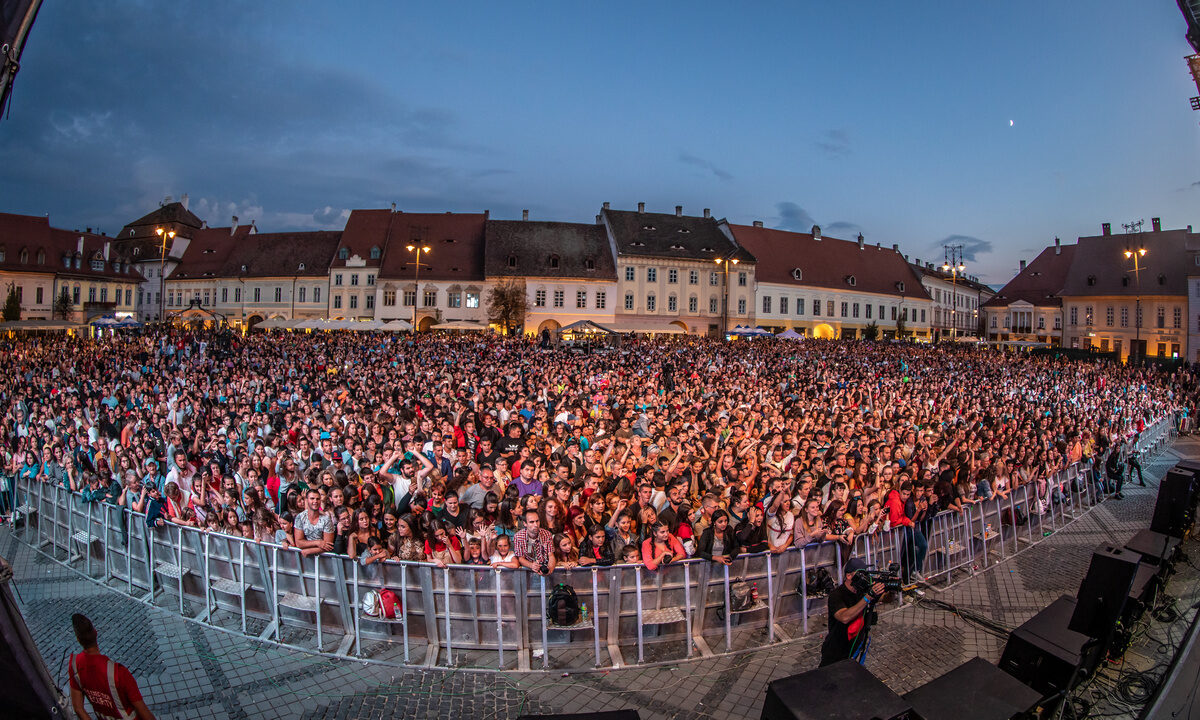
[
  {"x": 972, "y": 247},
  {"x": 688, "y": 159},
  {"x": 834, "y": 143},
  {"x": 793, "y": 217}
]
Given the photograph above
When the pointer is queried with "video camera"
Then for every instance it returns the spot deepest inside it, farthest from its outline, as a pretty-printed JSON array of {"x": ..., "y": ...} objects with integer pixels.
[{"x": 864, "y": 579}]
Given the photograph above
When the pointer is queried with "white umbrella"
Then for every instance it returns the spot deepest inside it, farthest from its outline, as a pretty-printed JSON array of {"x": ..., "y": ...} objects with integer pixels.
[
  {"x": 790, "y": 334},
  {"x": 398, "y": 326}
]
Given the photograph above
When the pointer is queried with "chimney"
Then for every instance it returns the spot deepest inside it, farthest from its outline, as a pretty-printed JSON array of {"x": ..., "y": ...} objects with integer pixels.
[
  {"x": 599, "y": 220},
  {"x": 641, "y": 207},
  {"x": 758, "y": 223},
  {"x": 106, "y": 248},
  {"x": 816, "y": 232},
  {"x": 1156, "y": 223},
  {"x": 678, "y": 211},
  {"x": 524, "y": 214},
  {"x": 184, "y": 199},
  {"x": 707, "y": 212},
  {"x": 89, "y": 230},
  {"x": 1105, "y": 228},
  {"x": 79, "y": 245},
  {"x": 1022, "y": 266},
  {"x": 861, "y": 242},
  {"x": 606, "y": 205},
  {"x": 1057, "y": 248},
  {"x": 393, "y": 207},
  {"x": 895, "y": 247},
  {"x": 234, "y": 226}
]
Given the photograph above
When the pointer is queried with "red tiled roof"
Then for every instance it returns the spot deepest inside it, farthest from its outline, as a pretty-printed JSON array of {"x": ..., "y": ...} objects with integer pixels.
[
  {"x": 827, "y": 262},
  {"x": 34, "y": 235},
  {"x": 1041, "y": 282},
  {"x": 283, "y": 254},
  {"x": 365, "y": 229},
  {"x": 208, "y": 251},
  {"x": 456, "y": 243}
]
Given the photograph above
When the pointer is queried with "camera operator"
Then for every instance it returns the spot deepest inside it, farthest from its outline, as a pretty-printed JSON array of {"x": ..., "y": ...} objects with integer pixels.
[{"x": 846, "y": 610}]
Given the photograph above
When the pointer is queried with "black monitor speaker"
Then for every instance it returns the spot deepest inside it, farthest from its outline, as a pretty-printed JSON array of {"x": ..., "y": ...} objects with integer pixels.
[
  {"x": 604, "y": 715},
  {"x": 844, "y": 690},
  {"x": 1173, "y": 509},
  {"x": 1048, "y": 656},
  {"x": 1156, "y": 549},
  {"x": 1102, "y": 594},
  {"x": 976, "y": 689}
]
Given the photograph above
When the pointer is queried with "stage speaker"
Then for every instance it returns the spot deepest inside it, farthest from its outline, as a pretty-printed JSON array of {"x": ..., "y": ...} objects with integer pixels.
[
  {"x": 605, "y": 715},
  {"x": 976, "y": 689},
  {"x": 1048, "y": 656},
  {"x": 1173, "y": 509},
  {"x": 1156, "y": 549},
  {"x": 844, "y": 690},
  {"x": 1102, "y": 594}
]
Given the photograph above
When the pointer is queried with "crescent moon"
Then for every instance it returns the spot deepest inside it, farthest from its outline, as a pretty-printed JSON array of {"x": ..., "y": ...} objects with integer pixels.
[{"x": 1010, "y": 123}]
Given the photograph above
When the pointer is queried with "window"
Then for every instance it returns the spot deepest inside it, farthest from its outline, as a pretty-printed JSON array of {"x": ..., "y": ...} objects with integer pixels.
[
  {"x": 854, "y": 311},
  {"x": 993, "y": 321},
  {"x": 1162, "y": 349},
  {"x": 343, "y": 253},
  {"x": 1041, "y": 323},
  {"x": 409, "y": 298},
  {"x": 225, "y": 294},
  {"x": 1138, "y": 317},
  {"x": 589, "y": 264},
  {"x": 1075, "y": 316},
  {"x": 370, "y": 302},
  {"x": 539, "y": 298},
  {"x": 91, "y": 294},
  {"x": 628, "y": 301},
  {"x": 1124, "y": 316},
  {"x": 712, "y": 306},
  {"x": 845, "y": 309},
  {"x": 601, "y": 300},
  {"x": 429, "y": 298},
  {"x": 375, "y": 252},
  {"x": 580, "y": 299},
  {"x": 237, "y": 294},
  {"x": 205, "y": 297},
  {"x": 882, "y": 314},
  {"x": 741, "y": 306},
  {"x": 816, "y": 307},
  {"x": 97, "y": 265},
  {"x": 1057, "y": 322},
  {"x": 630, "y": 274},
  {"x": 353, "y": 302},
  {"x": 741, "y": 279},
  {"x": 337, "y": 279},
  {"x": 558, "y": 298},
  {"x": 302, "y": 295},
  {"x": 353, "y": 278},
  {"x": 693, "y": 304},
  {"x": 278, "y": 294},
  {"x": 693, "y": 277},
  {"x": 512, "y": 261},
  {"x": 1109, "y": 315},
  {"x": 1176, "y": 319},
  {"x": 893, "y": 312},
  {"x": 553, "y": 262},
  {"x": 337, "y": 302},
  {"x": 472, "y": 299},
  {"x": 651, "y": 302},
  {"x": 651, "y": 274},
  {"x": 316, "y": 294},
  {"x": 829, "y": 308},
  {"x": 39, "y": 296},
  {"x": 454, "y": 299},
  {"x": 672, "y": 303},
  {"x": 922, "y": 315},
  {"x": 75, "y": 295},
  {"x": 766, "y": 304},
  {"x": 868, "y": 309},
  {"x": 712, "y": 278},
  {"x": 1160, "y": 318},
  {"x": 672, "y": 276},
  {"x": 257, "y": 294},
  {"x": 783, "y": 306}
]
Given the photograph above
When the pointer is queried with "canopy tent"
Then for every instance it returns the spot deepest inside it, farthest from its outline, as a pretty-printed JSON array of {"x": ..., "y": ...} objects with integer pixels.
[
  {"x": 104, "y": 322},
  {"x": 128, "y": 323},
  {"x": 397, "y": 326},
  {"x": 585, "y": 327},
  {"x": 747, "y": 331},
  {"x": 790, "y": 334},
  {"x": 655, "y": 330},
  {"x": 40, "y": 325},
  {"x": 273, "y": 323},
  {"x": 463, "y": 325},
  {"x": 366, "y": 326},
  {"x": 309, "y": 324}
]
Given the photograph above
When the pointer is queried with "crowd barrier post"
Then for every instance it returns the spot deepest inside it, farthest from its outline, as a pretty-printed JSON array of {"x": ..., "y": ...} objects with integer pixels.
[
  {"x": 728, "y": 612},
  {"x": 770, "y": 605},
  {"x": 241, "y": 580},
  {"x": 500, "y": 620},
  {"x": 450, "y": 635},
  {"x": 128, "y": 514},
  {"x": 87, "y": 542},
  {"x": 54, "y": 524},
  {"x": 275, "y": 614},
  {"x": 595, "y": 612},
  {"x": 638, "y": 579},
  {"x": 804, "y": 588}
]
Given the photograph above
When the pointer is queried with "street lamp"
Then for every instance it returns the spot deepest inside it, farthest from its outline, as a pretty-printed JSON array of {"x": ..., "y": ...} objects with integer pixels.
[
  {"x": 417, "y": 249},
  {"x": 1137, "y": 318},
  {"x": 954, "y": 265},
  {"x": 166, "y": 235},
  {"x": 725, "y": 315}
]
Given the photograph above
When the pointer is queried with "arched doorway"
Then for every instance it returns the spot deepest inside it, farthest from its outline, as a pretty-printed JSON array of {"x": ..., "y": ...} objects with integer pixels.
[
  {"x": 824, "y": 331},
  {"x": 681, "y": 324},
  {"x": 425, "y": 323},
  {"x": 551, "y": 325},
  {"x": 252, "y": 321}
]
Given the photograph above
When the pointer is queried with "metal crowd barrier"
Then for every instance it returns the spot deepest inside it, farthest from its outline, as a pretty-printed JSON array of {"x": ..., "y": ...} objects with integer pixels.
[{"x": 476, "y": 616}]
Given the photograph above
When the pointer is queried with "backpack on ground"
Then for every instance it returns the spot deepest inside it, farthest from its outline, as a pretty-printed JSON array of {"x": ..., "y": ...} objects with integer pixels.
[
  {"x": 562, "y": 607},
  {"x": 741, "y": 595},
  {"x": 820, "y": 583},
  {"x": 383, "y": 604}
]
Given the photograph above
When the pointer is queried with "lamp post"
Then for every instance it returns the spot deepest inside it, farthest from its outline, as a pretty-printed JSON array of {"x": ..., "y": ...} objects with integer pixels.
[
  {"x": 954, "y": 265},
  {"x": 166, "y": 234},
  {"x": 1137, "y": 255},
  {"x": 725, "y": 314},
  {"x": 417, "y": 249}
]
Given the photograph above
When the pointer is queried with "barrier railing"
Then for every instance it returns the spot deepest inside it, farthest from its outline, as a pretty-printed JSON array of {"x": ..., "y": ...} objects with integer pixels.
[{"x": 478, "y": 616}]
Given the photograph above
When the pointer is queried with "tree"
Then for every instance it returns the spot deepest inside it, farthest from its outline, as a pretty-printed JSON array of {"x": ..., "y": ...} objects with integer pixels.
[
  {"x": 12, "y": 306},
  {"x": 900, "y": 329},
  {"x": 63, "y": 306},
  {"x": 507, "y": 305},
  {"x": 871, "y": 332}
]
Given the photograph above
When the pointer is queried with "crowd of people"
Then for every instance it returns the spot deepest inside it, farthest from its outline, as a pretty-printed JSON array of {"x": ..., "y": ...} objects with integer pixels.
[{"x": 480, "y": 450}]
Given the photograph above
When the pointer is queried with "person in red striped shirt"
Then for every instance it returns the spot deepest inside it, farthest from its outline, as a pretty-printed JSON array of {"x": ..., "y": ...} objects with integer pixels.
[{"x": 106, "y": 683}]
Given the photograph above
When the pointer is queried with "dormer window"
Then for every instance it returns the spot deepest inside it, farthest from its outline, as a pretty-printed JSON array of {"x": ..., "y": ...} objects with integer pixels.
[
  {"x": 553, "y": 262},
  {"x": 649, "y": 227},
  {"x": 851, "y": 280},
  {"x": 24, "y": 256},
  {"x": 1125, "y": 281},
  {"x": 41, "y": 257},
  {"x": 512, "y": 261},
  {"x": 343, "y": 253},
  {"x": 137, "y": 251},
  {"x": 1162, "y": 279},
  {"x": 209, "y": 251},
  {"x": 677, "y": 246},
  {"x": 301, "y": 267},
  {"x": 797, "y": 274},
  {"x": 1091, "y": 279},
  {"x": 244, "y": 268},
  {"x": 375, "y": 252},
  {"x": 684, "y": 230},
  {"x": 637, "y": 243},
  {"x": 900, "y": 286},
  {"x": 589, "y": 264},
  {"x": 98, "y": 265},
  {"x": 449, "y": 240}
]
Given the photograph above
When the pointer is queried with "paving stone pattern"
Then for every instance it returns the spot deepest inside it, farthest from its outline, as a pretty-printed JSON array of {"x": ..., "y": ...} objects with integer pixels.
[{"x": 190, "y": 670}]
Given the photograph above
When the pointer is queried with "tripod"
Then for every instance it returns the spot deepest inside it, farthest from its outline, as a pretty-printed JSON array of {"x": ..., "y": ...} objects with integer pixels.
[{"x": 862, "y": 641}]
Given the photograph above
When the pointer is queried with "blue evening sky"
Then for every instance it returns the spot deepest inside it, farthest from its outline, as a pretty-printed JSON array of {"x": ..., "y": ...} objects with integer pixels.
[{"x": 889, "y": 118}]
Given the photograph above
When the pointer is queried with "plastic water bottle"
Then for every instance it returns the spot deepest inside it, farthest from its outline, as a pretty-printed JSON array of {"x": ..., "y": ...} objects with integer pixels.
[
  {"x": 583, "y": 611},
  {"x": 754, "y": 592}
]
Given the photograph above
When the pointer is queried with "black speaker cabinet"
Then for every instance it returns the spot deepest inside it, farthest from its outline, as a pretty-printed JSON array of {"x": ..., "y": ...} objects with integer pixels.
[
  {"x": 844, "y": 690},
  {"x": 605, "y": 715},
  {"x": 1156, "y": 549},
  {"x": 1048, "y": 656},
  {"x": 1173, "y": 509},
  {"x": 976, "y": 689},
  {"x": 1102, "y": 594}
]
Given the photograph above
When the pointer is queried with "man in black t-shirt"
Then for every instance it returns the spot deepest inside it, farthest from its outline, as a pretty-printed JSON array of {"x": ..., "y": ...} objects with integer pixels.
[{"x": 846, "y": 608}]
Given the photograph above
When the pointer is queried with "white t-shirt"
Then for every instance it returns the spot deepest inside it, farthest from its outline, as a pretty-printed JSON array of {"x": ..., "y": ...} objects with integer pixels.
[
  {"x": 780, "y": 537},
  {"x": 498, "y": 558}
]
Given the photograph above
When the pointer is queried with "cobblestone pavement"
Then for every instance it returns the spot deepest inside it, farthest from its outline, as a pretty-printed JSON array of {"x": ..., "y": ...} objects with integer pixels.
[{"x": 189, "y": 670}]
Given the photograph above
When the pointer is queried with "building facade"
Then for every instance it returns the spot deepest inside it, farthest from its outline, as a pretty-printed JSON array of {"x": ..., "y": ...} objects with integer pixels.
[
  {"x": 957, "y": 300},
  {"x": 1029, "y": 308},
  {"x": 155, "y": 243}
]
